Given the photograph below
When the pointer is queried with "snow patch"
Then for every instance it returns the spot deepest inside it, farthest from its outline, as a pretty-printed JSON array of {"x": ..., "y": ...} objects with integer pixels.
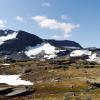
[
  {"x": 13, "y": 80},
  {"x": 94, "y": 58},
  {"x": 50, "y": 56},
  {"x": 46, "y": 48},
  {"x": 8, "y": 37},
  {"x": 79, "y": 53},
  {"x": 5, "y": 64}
]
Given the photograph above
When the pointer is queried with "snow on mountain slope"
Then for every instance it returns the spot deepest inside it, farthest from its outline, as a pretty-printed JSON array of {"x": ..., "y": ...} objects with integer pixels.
[
  {"x": 79, "y": 53},
  {"x": 45, "y": 47},
  {"x": 65, "y": 44},
  {"x": 32, "y": 46},
  {"x": 7, "y": 37},
  {"x": 94, "y": 57},
  {"x": 50, "y": 56}
]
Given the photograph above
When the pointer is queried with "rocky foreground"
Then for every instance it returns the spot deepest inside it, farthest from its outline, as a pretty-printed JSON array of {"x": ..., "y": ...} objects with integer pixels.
[{"x": 59, "y": 79}]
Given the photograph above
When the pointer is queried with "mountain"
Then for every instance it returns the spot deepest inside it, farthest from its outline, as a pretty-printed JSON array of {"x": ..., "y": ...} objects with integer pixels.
[
  {"x": 64, "y": 44},
  {"x": 20, "y": 44},
  {"x": 18, "y": 40}
]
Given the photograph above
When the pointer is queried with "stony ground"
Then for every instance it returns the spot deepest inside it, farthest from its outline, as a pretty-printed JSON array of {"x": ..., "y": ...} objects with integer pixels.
[{"x": 57, "y": 80}]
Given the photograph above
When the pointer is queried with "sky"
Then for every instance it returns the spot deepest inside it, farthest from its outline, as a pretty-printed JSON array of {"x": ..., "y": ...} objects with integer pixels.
[{"x": 77, "y": 20}]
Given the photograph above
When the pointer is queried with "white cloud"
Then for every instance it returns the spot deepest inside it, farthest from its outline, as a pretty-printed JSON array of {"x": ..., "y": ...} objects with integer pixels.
[
  {"x": 65, "y": 17},
  {"x": 2, "y": 23},
  {"x": 45, "y": 4},
  {"x": 19, "y": 18},
  {"x": 53, "y": 24}
]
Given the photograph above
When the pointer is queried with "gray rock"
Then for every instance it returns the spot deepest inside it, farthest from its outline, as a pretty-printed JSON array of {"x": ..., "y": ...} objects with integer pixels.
[
  {"x": 20, "y": 92},
  {"x": 5, "y": 90}
]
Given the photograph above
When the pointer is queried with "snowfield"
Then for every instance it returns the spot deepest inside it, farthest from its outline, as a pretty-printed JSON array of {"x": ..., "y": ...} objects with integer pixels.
[
  {"x": 13, "y": 80},
  {"x": 94, "y": 58},
  {"x": 48, "y": 49},
  {"x": 79, "y": 53},
  {"x": 50, "y": 56},
  {"x": 8, "y": 37}
]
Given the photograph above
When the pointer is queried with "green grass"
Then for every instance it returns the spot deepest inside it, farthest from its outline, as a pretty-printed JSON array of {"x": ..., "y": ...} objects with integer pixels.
[{"x": 59, "y": 87}]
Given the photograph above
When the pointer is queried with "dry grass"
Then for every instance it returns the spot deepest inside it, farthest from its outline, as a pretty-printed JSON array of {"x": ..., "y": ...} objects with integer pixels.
[{"x": 57, "y": 83}]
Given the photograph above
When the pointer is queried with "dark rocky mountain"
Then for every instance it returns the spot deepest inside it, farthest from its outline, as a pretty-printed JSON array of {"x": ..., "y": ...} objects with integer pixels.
[
  {"x": 14, "y": 43},
  {"x": 22, "y": 40},
  {"x": 64, "y": 44},
  {"x": 94, "y": 49},
  {"x": 5, "y": 32}
]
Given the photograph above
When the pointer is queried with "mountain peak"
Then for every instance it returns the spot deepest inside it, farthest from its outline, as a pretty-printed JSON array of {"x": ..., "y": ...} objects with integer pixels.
[
  {"x": 6, "y": 32},
  {"x": 12, "y": 42}
]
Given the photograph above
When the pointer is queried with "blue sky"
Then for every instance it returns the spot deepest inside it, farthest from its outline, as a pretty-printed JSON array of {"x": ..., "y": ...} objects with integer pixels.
[{"x": 77, "y": 20}]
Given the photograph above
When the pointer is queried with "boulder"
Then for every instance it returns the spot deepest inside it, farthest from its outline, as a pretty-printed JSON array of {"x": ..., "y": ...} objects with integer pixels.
[{"x": 20, "y": 91}]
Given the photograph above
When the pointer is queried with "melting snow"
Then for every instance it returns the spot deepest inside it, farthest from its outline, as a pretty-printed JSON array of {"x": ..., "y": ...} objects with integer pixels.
[
  {"x": 94, "y": 58},
  {"x": 50, "y": 56},
  {"x": 47, "y": 48},
  {"x": 8, "y": 37},
  {"x": 5, "y": 64},
  {"x": 13, "y": 80},
  {"x": 79, "y": 53}
]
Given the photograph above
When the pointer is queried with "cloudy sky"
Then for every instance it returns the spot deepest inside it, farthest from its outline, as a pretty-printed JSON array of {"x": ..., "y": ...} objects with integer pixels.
[{"x": 77, "y": 20}]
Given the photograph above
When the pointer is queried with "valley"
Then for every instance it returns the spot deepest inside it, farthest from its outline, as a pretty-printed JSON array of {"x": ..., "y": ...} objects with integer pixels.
[{"x": 59, "y": 79}]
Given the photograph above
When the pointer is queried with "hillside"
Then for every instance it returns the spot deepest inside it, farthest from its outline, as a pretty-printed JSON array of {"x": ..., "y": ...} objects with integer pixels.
[{"x": 18, "y": 44}]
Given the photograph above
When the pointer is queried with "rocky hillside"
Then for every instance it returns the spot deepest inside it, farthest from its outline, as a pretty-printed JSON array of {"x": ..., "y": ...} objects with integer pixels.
[{"x": 21, "y": 44}]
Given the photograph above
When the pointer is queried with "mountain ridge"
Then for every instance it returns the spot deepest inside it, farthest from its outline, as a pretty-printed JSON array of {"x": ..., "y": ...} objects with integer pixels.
[{"x": 13, "y": 42}]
